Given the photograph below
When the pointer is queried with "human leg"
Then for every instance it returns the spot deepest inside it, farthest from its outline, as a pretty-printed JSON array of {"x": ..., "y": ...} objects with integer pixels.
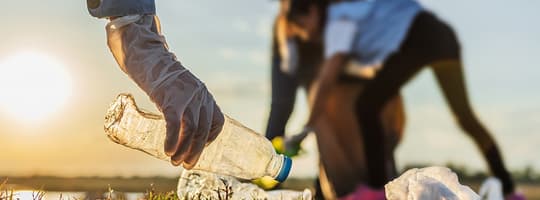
[
  {"x": 449, "y": 75},
  {"x": 369, "y": 106},
  {"x": 416, "y": 51},
  {"x": 284, "y": 89}
]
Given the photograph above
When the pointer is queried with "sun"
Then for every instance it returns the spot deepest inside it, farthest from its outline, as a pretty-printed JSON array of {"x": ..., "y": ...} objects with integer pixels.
[{"x": 32, "y": 86}]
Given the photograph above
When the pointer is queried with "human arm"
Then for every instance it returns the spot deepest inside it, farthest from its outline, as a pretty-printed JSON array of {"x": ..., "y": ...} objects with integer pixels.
[
  {"x": 339, "y": 38},
  {"x": 325, "y": 81},
  {"x": 191, "y": 113},
  {"x": 116, "y": 8}
]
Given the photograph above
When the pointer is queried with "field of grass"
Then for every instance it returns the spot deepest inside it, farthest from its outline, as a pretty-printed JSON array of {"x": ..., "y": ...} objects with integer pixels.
[
  {"x": 94, "y": 184},
  {"x": 153, "y": 188}
]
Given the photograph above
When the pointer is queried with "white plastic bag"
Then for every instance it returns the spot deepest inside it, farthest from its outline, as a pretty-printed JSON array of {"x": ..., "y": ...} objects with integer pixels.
[
  {"x": 194, "y": 184},
  {"x": 491, "y": 189},
  {"x": 432, "y": 183}
]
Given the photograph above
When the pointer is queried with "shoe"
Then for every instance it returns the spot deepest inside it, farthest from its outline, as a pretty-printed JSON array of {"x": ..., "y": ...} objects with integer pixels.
[{"x": 365, "y": 193}]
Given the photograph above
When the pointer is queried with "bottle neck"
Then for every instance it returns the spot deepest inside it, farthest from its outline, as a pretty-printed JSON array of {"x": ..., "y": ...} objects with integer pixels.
[{"x": 274, "y": 166}]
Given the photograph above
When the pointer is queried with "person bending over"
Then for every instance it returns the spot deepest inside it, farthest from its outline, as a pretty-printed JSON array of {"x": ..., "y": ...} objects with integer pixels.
[{"x": 396, "y": 39}]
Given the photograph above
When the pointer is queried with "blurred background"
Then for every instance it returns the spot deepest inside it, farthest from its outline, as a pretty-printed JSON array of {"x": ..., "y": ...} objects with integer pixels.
[{"x": 57, "y": 79}]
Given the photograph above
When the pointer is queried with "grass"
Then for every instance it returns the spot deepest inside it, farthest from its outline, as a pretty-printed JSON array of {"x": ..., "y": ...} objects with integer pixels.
[
  {"x": 5, "y": 194},
  {"x": 162, "y": 189},
  {"x": 151, "y": 194},
  {"x": 225, "y": 193},
  {"x": 95, "y": 184},
  {"x": 9, "y": 194}
]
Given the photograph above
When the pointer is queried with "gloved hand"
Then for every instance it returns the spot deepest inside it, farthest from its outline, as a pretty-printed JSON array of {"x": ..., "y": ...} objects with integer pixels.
[
  {"x": 192, "y": 116},
  {"x": 291, "y": 146}
]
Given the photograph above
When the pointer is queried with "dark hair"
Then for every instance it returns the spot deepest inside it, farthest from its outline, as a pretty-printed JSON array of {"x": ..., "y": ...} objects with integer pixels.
[{"x": 301, "y": 7}]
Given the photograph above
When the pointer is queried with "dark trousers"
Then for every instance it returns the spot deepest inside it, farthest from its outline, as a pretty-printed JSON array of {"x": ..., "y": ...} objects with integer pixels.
[
  {"x": 429, "y": 42},
  {"x": 285, "y": 86},
  {"x": 284, "y": 89}
]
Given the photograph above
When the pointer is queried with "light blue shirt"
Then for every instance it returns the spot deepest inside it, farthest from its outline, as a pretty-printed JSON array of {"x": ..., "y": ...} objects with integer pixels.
[
  {"x": 109, "y": 8},
  {"x": 380, "y": 26}
]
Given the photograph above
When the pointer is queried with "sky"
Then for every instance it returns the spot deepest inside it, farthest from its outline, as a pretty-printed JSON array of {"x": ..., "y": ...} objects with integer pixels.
[{"x": 226, "y": 44}]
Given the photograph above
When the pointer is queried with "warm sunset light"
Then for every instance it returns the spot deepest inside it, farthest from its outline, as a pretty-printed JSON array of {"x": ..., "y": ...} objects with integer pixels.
[
  {"x": 32, "y": 86},
  {"x": 269, "y": 99}
]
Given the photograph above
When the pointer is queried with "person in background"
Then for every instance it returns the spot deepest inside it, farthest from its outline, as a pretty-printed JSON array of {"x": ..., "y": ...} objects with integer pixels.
[
  {"x": 288, "y": 73},
  {"x": 295, "y": 64},
  {"x": 396, "y": 39},
  {"x": 135, "y": 40}
]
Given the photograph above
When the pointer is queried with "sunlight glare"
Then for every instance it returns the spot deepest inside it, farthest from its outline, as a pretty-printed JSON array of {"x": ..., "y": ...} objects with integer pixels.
[{"x": 32, "y": 86}]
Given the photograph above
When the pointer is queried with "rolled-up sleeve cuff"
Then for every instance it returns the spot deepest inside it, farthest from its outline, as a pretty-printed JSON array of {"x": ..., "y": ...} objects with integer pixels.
[{"x": 109, "y": 8}]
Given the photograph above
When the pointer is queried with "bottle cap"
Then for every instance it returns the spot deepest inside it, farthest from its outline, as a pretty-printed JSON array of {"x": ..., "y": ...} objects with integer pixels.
[{"x": 285, "y": 169}]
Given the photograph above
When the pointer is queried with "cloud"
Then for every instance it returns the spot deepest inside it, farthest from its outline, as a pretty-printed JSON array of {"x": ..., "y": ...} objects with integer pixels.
[
  {"x": 264, "y": 28},
  {"x": 259, "y": 57},
  {"x": 229, "y": 54},
  {"x": 241, "y": 26},
  {"x": 254, "y": 56}
]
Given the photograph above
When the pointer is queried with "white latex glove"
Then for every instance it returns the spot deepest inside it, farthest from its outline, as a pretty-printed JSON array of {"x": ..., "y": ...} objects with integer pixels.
[{"x": 192, "y": 116}]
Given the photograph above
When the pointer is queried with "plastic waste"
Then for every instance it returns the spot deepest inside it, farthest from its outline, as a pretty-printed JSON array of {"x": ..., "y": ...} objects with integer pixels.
[
  {"x": 196, "y": 184},
  {"x": 288, "y": 147},
  {"x": 237, "y": 151},
  {"x": 427, "y": 184},
  {"x": 266, "y": 183},
  {"x": 491, "y": 189}
]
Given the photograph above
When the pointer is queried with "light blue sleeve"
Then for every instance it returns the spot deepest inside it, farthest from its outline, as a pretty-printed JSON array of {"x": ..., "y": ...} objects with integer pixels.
[
  {"x": 339, "y": 37},
  {"x": 351, "y": 10},
  {"x": 110, "y": 8}
]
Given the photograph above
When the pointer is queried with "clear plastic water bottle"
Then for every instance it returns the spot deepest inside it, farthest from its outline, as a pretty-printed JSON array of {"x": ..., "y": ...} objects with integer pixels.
[{"x": 237, "y": 151}]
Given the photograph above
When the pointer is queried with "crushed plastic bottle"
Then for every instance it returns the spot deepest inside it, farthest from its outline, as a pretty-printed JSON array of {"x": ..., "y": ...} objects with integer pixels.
[
  {"x": 237, "y": 151},
  {"x": 195, "y": 184}
]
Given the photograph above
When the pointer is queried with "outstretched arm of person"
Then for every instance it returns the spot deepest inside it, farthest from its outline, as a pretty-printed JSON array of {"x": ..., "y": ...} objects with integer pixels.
[
  {"x": 338, "y": 42},
  {"x": 326, "y": 80},
  {"x": 192, "y": 116}
]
